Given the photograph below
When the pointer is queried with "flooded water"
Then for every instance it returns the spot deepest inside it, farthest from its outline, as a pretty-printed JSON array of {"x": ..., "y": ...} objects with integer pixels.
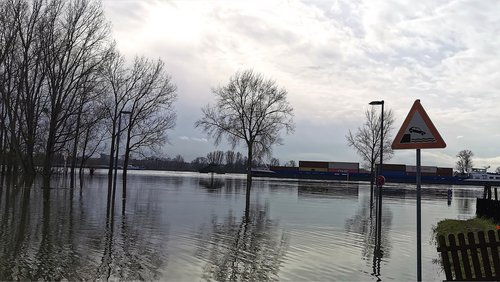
[{"x": 182, "y": 227}]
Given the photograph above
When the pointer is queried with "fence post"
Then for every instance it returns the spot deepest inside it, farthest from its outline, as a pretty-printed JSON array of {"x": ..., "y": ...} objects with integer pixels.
[
  {"x": 494, "y": 251},
  {"x": 484, "y": 255},
  {"x": 444, "y": 256},
  {"x": 465, "y": 256},
  {"x": 473, "y": 254},
  {"x": 454, "y": 255}
]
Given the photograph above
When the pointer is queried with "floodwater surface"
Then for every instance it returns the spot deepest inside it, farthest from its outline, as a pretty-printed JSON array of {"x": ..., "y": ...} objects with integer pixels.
[{"x": 186, "y": 227}]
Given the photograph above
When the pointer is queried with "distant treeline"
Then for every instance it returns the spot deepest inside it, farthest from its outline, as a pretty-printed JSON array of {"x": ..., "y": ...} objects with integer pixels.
[{"x": 229, "y": 161}]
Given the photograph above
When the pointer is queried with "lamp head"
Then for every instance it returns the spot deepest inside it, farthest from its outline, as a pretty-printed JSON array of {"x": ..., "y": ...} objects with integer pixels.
[{"x": 377, "y": 102}]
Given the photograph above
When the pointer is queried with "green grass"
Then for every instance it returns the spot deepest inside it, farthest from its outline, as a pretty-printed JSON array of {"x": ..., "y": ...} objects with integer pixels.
[{"x": 454, "y": 226}]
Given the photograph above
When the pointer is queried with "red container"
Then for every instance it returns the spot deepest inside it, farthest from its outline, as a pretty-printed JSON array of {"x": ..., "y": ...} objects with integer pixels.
[{"x": 444, "y": 171}]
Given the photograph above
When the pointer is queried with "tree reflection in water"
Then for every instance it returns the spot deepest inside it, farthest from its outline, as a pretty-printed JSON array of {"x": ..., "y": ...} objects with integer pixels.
[
  {"x": 212, "y": 185},
  {"x": 365, "y": 225},
  {"x": 50, "y": 236},
  {"x": 251, "y": 249}
]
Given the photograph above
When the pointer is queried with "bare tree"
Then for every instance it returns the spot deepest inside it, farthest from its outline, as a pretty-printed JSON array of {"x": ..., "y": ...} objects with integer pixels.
[
  {"x": 366, "y": 141},
  {"x": 151, "y": 108},
  {"x": 274, "y": 162},
  {"x": 240, "y": 160},
  {"x": 251, "y": 109},
  {"x": 145, "y": 94},
  {"x": 74, "y": 48},
  {"x": 119, "y": 84},
  {"x": 464, "y": 162},
  {"x": 22, "y": 75},
  {"x": 230, "y": 157},
  {"x": 50, "y": 52},
  {"x": 290, "y": 163},
  {"x": 215, "y": 157},
  {"x": 93, "y": 132},
  {"x": 199, "y": 162}
]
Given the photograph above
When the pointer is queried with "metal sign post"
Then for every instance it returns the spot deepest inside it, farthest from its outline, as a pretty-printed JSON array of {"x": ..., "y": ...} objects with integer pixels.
[
  {"x": 418, "y": 132},
  {"x": 419, "y": 219}
]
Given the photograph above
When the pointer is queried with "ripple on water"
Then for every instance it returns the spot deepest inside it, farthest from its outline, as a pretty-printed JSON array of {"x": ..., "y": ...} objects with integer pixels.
[{"x": 321, "y": 253}]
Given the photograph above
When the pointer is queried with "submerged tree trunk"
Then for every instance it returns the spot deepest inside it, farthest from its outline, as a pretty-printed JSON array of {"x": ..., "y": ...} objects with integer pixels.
[
  {"x": 371, "y": 188},
  {"x": 49, "y": 153},
  {"x": 125, "y": 164},
  {"x": 249, "y": 175},
  {"x": 111, "y": 161},
  {"x": 75, "y": 146},
  {"x": 84, "y": 151}
]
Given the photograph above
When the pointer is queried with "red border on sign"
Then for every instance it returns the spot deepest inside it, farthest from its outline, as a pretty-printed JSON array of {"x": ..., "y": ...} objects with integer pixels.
[{"x": 417, "y": 107}]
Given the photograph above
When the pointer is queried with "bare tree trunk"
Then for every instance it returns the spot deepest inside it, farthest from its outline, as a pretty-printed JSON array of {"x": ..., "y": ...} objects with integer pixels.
[
  {"x": 84, "y": 151},
  {"x": 371, "y": 187},
  {"x": 75, "y": 146},
  {"x": 125, "y": 163},
  {"x": 49, "y": 154},
  {"x": 249, "y": 175},
  {"x": 111, "y": 162},
  {"x": 2, "y": 145}
]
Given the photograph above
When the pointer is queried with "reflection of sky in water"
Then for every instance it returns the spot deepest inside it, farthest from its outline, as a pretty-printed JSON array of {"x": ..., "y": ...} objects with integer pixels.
[{"x": 184, "y": 226}]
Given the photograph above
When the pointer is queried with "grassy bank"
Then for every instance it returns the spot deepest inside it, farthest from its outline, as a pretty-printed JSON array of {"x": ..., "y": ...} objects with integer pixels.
[{"x": 454, "y": 226}]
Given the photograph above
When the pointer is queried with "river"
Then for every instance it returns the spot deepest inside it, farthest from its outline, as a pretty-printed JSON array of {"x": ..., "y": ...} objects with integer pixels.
[{"x": 179, "y": 226}]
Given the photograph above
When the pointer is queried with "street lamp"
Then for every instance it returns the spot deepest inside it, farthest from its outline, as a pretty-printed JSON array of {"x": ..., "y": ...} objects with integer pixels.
[
  {"x": 116, "y": 155},
  {"x": 379, "y": 218}
]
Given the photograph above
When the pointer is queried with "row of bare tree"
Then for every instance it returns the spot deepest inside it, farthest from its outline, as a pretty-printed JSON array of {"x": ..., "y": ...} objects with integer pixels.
[
  {"x": 231, "y": 158},
  {"x": 64, "y": 88}
]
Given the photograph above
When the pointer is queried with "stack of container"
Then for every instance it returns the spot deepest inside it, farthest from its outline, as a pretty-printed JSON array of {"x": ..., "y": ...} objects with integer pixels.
[
  {"x": 313, "y": 166},
  {"x": 345, "y": 167},
  {"x": 392, "y": 170},
  {"x": 424, "y": 170}
]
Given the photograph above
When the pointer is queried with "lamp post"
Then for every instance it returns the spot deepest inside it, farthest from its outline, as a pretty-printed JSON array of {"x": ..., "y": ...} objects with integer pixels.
[
  {"x": 379, "y": 212},
  {"x": 116, "y": 155}
]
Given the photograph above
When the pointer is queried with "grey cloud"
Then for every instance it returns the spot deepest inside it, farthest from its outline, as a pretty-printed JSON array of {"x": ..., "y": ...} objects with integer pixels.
[
  {"x": 195, "y": 139},
  {"x": 257, "y": 28},
  {"x": 445, "y": 53},
  {"x": 124, "y": 12}
]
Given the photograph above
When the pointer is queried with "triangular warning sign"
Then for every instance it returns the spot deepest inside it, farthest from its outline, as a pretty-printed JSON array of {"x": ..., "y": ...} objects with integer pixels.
[{"x": 418, "y": 131}]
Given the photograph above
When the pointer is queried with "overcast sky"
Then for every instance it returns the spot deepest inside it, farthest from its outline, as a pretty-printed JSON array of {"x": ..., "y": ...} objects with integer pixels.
[{"x": 333, "y": 57}]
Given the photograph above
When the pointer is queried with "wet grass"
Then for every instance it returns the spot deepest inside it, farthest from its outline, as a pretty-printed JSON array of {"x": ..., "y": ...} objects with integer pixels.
[{"x": 455, "y": 226}]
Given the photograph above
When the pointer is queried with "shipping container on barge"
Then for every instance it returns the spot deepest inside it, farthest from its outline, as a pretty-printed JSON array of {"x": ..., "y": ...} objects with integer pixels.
[{"x": 349, "y": 171}]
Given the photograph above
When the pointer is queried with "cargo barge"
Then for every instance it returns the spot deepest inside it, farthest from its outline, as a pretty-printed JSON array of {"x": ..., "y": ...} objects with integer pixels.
[{"x": 347, "y": 171}]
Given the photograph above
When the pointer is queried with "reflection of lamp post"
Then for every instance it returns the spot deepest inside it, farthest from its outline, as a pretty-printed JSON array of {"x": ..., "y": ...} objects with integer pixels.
[
  {"x": 116, "y": 155},
  {"x": 379, "y": 225}
]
